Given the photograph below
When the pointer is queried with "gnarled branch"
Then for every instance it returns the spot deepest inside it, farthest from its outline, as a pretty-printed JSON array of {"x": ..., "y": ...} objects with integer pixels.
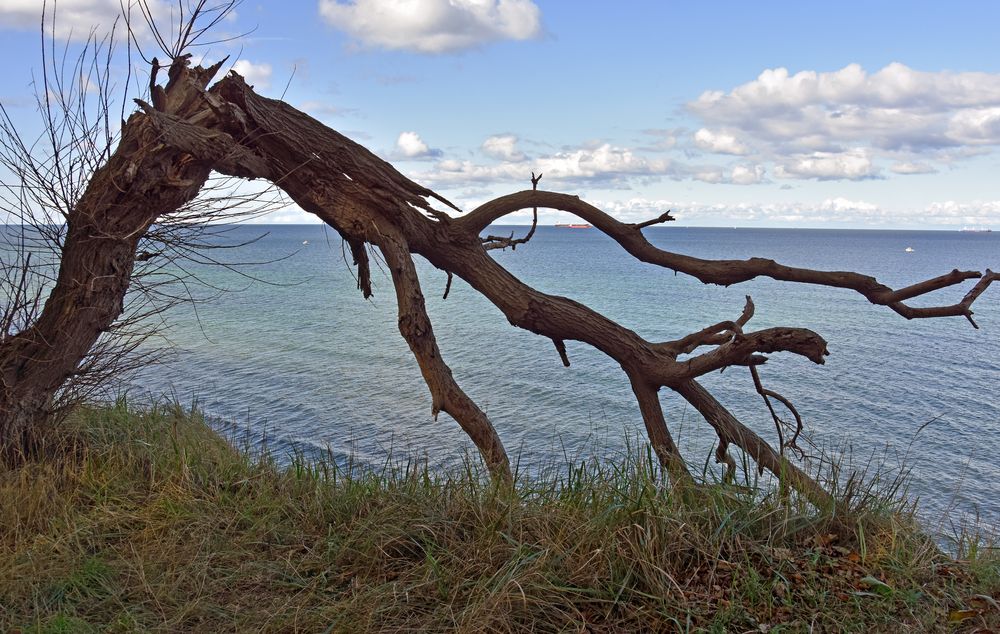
[
  {"x": 727, "y": 272},
  {"x": 446, "y": 395}
]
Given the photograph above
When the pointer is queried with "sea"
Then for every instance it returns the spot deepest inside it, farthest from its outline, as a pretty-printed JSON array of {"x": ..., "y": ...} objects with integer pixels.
[{"x": 285, "y": 349}]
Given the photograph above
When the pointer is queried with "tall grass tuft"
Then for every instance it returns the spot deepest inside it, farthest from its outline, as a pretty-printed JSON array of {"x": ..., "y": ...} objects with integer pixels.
[{"x": 154, "y": 522}]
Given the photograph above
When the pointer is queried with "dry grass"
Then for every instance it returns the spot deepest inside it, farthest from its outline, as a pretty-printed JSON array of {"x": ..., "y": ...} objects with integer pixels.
[{"x": 151, "y": 522}]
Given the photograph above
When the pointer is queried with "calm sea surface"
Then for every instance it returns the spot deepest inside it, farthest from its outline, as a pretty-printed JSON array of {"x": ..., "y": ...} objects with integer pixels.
[{"x": 302, "y": 357}]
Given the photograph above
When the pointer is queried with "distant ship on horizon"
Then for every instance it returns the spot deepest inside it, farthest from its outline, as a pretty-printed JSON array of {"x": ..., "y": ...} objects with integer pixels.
[
  {"x": 977, "y": 230},
  {"x": 575, "y": 226}
]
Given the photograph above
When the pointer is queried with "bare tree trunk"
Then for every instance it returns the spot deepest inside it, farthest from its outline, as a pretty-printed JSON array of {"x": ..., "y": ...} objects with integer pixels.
[{"x": 142, "y": 181}]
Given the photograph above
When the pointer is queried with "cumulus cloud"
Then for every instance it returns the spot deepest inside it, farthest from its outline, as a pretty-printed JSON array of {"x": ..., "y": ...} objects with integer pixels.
[
  {"x": 604, "y": 160},
  {"x": 830, "y": 210},
  {"x": 73, "y": 18},
  {"x": 605, "y": 164},
  {"x": 409, "y": 145},
  {"x": 907, "y": 167},
  {"x": 719, "y": 142},
  {"x": 601, "y": 164},
  {"x": 832, "y": 125},
  {"x": 972, "y": 214},
  {"x": 851, "y": 165},
  {"x": 433, "y": 26},
  {"x": 78, "y": 15},
  {"x": 747, "y": 174},
  {"x": 503, "y": 147},
  {"x": 257, "y": 75}
]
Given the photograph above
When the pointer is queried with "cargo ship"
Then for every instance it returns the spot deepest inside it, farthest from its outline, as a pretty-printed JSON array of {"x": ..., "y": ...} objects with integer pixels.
[{"x": 575, "y": 226}]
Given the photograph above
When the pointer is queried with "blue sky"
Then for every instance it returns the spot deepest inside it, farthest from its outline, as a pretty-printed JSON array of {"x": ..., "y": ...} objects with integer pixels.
[{"x": 848, "y": 114}]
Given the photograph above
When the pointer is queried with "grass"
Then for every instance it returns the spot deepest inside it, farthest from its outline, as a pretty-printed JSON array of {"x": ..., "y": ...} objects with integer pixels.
[{"x": 149, "y": 521}]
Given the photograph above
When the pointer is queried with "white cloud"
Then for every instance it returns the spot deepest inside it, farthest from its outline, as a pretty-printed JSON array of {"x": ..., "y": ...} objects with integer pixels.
[
  {"x": 842, "y": 205},
  {"x": 257, "y": 75},
  {"x": 747, "y": 174},
  {"x": 76, "y": 18},
  {"x": 409, "y": 145},
  {"x": 972, "y": 214},
  {"x": 503, "y": 147},
  {"x": 837, "y": 124},
  {"x": 604, "y": 163},
  {"x": 828, "y": 211},
  {"x": 907, "y": 167},
  {"x": 601, "y": 164},
  {"x": 604, "y": 160},
  {"x": 831, "y": 210},
  {"x": 851, "y": 165},
  {"x": 454, "y": 173},
  {"x": 433, "y": 26},
  {"x": 719, "y": 142},
  {"x": 895, "y": 86},
  {"x": 975, "y": 126}
]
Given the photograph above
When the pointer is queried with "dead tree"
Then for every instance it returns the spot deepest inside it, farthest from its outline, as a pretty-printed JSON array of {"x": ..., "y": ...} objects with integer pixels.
[
  {"x": 370, "y": 203},
  {"x": 100, "y": 222},
  {"x": 233, "y": 130},
  {"x": 142, "y": 181}
]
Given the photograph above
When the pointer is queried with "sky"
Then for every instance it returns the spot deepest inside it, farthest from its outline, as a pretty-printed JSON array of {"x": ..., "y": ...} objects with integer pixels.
[{"x": 759, "y": 114}]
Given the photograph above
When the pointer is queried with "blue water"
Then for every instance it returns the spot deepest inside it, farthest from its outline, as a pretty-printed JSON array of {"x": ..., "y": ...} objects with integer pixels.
[{"x": 301, "y": 356}]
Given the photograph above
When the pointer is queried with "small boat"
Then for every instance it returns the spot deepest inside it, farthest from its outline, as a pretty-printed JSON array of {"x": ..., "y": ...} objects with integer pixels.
[
  {"x": 575, "y": 226},
  {"x": 305, "y": 242},
  {"x": 908, "y": 249}
]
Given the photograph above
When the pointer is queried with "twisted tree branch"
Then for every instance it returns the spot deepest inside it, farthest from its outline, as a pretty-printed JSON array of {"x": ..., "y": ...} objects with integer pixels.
[{"x": 727, "y": 272}]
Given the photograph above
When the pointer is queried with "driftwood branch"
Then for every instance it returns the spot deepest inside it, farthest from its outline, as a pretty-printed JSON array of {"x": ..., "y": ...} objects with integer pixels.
[
  {"x": 360, "y": 256},
  {"x": 767, "y": 395},
  {"x": 664, "y": 217},
  {"x": 561, "y": 349},
  {"x": 656, "y": 429}
]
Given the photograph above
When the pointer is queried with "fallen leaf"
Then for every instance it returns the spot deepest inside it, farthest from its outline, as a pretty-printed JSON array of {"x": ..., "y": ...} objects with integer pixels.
[
  {"x": 877, "y": 585},
  {"x": 957, "y": 616}
]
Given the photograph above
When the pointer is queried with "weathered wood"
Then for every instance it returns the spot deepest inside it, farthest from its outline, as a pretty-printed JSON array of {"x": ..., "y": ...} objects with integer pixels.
[{"x": 142, "y": 180}]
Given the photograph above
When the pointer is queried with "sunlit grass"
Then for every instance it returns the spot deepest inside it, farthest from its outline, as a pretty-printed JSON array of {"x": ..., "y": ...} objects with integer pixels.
[{"x": 149, "y": 520}]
